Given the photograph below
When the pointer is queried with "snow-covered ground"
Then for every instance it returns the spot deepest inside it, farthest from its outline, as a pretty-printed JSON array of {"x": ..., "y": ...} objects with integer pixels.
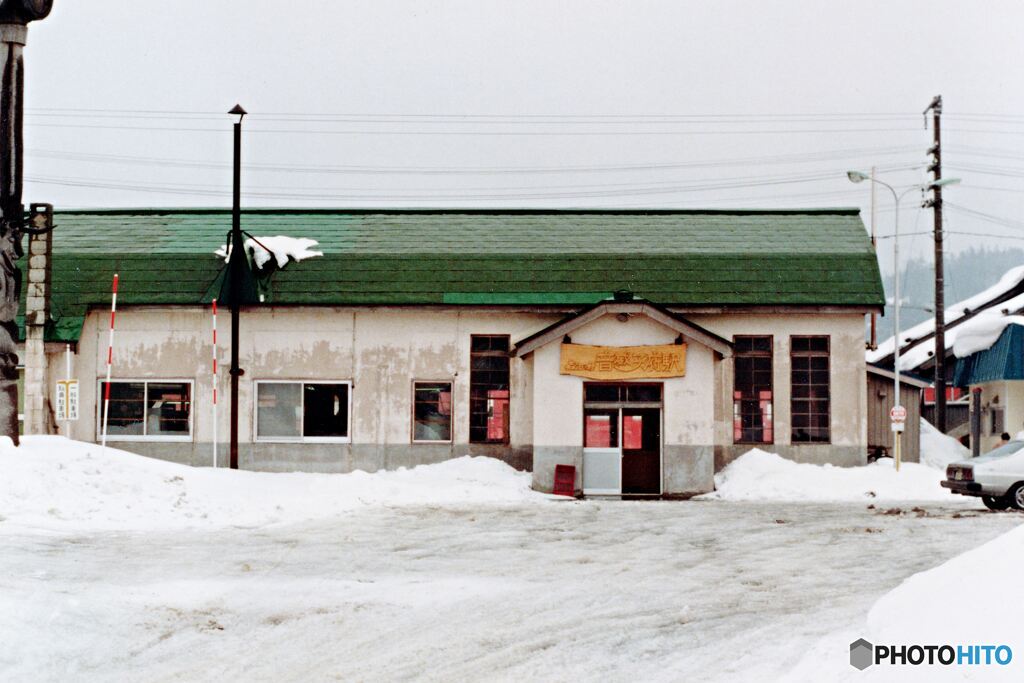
[
  {"x": 51, "y": 482},
  {"x": 115, "y": 567},
  {"x": 972, "y": 599}
]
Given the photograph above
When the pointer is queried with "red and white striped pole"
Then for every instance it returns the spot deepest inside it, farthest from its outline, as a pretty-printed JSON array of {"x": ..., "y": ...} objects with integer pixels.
[
  {"x": 110, "y": 362},
  {"x": 214, "y": 382}
]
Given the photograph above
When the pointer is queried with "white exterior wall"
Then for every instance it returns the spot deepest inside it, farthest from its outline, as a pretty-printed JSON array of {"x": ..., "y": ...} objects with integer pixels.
[
  {"x": 1013, "y": 418},
  {"x": 383, "y": 350},
  {"x": 848, "y": 383}
]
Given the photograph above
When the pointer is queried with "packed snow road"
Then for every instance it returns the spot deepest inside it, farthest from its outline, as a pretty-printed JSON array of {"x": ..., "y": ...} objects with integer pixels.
[{"x": 611, "y": 591}]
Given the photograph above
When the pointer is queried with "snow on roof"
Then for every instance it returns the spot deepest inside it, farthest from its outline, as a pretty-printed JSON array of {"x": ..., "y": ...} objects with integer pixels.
[
  {"x": 279, "y": 247},
  {"x": 982, "y": 332},
  {"x": 921, "y": 353}
]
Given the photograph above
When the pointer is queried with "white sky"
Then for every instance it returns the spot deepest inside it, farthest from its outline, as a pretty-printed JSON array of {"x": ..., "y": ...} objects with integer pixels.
[{"x": 336, "y": 85}]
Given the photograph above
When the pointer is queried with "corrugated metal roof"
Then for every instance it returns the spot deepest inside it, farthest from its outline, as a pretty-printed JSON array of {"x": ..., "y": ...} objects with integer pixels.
[
  {"x": 467, "y": 257},
  {"x": 1003, "y": 360}
]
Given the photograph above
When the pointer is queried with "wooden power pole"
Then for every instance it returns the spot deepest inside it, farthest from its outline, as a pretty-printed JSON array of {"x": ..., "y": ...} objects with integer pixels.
[{"x": 940, "y": 306}]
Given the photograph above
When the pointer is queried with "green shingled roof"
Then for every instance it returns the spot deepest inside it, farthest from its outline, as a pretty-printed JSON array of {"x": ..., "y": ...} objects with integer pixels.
[{"x": 466, "y": 257}]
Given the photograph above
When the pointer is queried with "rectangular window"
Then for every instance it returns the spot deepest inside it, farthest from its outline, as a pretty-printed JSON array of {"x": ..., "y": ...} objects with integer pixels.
[
  {"x": 432, "y": 411},
  {"x": 752, "y": 417},
  {"x": 489, "y": 388},
  {"x": 997, "y": 421},
  {"x": 811, "y": 387},
  {"x": 148, "y": 409},
  {"x": 302, "y": 411}
]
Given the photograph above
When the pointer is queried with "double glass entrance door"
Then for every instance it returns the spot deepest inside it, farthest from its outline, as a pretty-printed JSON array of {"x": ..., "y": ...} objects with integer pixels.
[{"x": 622, "y": 439}]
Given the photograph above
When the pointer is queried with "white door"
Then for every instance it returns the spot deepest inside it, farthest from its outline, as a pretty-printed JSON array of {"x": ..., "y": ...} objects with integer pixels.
[{"x": 602, "y": 452}]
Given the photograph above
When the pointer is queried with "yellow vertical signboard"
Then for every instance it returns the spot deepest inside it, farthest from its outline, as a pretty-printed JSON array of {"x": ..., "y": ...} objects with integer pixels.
[{"x": 623, "y": 362}]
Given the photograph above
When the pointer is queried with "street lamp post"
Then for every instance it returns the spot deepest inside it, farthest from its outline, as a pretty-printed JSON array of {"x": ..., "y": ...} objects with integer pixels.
[
  {"x": 859, "y": 177},
  {"x": 236, "y": 261}
]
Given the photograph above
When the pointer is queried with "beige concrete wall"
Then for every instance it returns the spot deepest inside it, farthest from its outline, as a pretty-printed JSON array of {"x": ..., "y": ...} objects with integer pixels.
[
  {"x": 1014, "y": 407},
  {"x": 382, "y": 350},
  {"x": 849, "y": 386}
]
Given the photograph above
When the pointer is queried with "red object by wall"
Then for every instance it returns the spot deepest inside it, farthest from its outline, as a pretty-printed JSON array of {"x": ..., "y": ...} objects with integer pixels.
[{"x": 565, "y": 480}]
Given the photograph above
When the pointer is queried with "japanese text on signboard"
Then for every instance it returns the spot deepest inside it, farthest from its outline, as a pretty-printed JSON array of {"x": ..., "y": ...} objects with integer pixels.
[{"x": 623, "y": 362}]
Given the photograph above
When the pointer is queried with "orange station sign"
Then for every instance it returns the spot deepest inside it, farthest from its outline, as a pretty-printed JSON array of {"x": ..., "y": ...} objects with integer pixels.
[{"x": 623, "y": 362}]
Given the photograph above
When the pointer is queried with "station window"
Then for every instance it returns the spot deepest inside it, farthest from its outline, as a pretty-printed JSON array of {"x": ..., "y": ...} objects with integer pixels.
[
  {"x": 432, "y": 411},
  {"x": 147, "y": 409},
  {"x": 811, "y": 385},
  {"x": 302, "y": 411},
  {"x": 752, "y": 408},
  {"x": 489, "y": 388}
]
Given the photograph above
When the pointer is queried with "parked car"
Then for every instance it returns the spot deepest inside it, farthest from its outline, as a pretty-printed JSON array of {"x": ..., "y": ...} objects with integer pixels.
[{"x": 997, "y": 477}]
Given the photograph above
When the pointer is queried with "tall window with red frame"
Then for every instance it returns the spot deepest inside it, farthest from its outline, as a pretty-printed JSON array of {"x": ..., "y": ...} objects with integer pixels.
[
  {"x": 489, "y": 388},
  {"x": 752, "y": 408}
]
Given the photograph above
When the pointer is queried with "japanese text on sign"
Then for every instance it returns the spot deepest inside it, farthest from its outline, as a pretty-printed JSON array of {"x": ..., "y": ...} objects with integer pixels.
[{"x": 623, "y": 362}]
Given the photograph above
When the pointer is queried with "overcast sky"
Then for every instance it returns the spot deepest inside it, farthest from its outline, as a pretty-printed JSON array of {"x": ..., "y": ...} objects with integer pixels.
[{"x": 482, "y": 103}]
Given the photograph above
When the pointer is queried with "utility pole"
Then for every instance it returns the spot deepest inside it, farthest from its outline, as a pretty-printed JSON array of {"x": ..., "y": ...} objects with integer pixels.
[
  {"x": 237, "y": 261},
  {"x": 940, "y": 294},
  {"x": 15, "y": 15}
]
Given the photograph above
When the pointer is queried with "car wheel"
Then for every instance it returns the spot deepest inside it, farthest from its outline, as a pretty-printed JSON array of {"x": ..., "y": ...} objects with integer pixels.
[
  {"x": 1016, "y": 496},
  {"x": 994, "y": 503}
]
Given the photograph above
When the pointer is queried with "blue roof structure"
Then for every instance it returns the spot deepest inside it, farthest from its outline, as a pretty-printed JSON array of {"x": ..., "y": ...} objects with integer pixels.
[{"x": 1003, "y": 360}]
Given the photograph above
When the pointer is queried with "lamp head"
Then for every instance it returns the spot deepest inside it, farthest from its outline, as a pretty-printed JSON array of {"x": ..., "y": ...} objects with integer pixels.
[
  {"x": 239, "y": 112},
  {"x": 944, "y": 182},
  {"x": 857, "y": 176}
]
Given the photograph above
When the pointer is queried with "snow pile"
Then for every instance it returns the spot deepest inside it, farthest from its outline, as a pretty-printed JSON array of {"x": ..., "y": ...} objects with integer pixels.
[
  {"x": 761, "y": 476},
  {"x": 979, "y": 334},
  {"x": 937, "y": 449},
  {"x": 969, "y": 600},
  {"x": 994, "y": 579},
  {"x": 280, "y": 247},
  {"x": 56, "y": 483}
]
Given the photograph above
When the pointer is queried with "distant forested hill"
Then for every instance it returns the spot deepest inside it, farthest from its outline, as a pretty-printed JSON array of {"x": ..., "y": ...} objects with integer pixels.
[{"x": 967, "y": 273}]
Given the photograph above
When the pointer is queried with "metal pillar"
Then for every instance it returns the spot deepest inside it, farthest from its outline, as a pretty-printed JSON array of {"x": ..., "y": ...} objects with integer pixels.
[
  {"x": 235, "y": 275},
  {"x": 976, "y": 422}
]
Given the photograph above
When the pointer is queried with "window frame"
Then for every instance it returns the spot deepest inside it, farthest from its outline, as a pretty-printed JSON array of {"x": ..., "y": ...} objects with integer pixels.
[
  {"x": 771, "y": 357},
  {"x": 507, "y": 440},
  {"x": 256, "y": 438},
  {"x": 792, "y": 398},
  {"x": 412, "y": 412},
  {"x": 146, "y": 381}
]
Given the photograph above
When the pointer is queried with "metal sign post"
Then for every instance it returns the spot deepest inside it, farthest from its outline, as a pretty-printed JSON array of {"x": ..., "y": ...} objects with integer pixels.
[{"x": 898, "y": 415}]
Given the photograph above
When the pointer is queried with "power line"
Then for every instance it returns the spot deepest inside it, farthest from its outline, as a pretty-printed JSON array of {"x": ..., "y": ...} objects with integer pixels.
[
  {"x": 991, "y": 218},
  {"x": 807, "y": 157},
  {"x": 479, "y": 133}
]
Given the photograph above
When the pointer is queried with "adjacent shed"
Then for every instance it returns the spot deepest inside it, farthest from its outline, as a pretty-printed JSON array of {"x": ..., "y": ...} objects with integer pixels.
[{"x": 880, "y": 395}]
